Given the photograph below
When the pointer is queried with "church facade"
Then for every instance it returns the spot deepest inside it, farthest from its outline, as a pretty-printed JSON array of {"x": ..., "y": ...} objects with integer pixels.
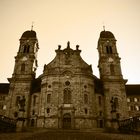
[{"x": 67, "y": 95}]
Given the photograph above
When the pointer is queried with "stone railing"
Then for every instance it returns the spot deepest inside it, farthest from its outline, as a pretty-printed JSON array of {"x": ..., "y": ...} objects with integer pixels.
[
  {"x": 7, "y": 124},
  {"x": 130, "y": 125}
]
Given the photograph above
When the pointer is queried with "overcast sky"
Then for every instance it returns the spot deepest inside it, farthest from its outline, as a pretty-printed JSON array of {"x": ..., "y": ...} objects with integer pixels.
[{"x": 77, "y": 21}]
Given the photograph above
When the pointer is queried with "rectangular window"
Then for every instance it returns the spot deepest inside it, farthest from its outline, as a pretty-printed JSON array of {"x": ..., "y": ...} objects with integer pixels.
[
  {"x": 135, "y": 99},
  {"x": 86, "y": 111},
  {"x": 128, "y": 99}
]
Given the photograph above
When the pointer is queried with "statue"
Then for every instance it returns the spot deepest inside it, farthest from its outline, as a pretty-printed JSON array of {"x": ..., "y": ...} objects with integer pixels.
[{"x": 22, "y": 104}]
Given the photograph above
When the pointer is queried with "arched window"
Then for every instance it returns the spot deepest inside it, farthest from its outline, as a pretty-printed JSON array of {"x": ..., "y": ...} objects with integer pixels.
[
  {"x": 135, "y": 99},
  {"x": 22, "y": 67},
  {"x": 33, "y": 112},
  {"x": 85, "y": 98},
  {"x": 116, "y": 103},
  {"x": 108, "y": 49},
  {"x": 86, "y": 111},
  {"x": 67, "y": 96},
  {"x": 137, "y": 108},
  {"x": 100, "y": 100},
  {"x": 48, "y": 110},
  {"x": 26, "y": 49},
  {"x": 48, "y": 98}
]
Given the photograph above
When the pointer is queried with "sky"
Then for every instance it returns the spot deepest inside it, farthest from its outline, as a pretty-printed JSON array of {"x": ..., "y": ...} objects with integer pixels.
[{"x": 79, "y": 21}]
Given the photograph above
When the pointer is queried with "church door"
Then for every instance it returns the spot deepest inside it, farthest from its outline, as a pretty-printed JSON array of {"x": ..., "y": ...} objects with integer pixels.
[{"x": 67, "y": 121}]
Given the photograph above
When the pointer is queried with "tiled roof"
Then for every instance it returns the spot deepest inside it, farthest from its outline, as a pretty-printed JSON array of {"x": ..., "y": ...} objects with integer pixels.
[
  {"x": 132, "y": 89},
  {"x": 106, "y": 34},
  {"x": 29, "y": 34}
]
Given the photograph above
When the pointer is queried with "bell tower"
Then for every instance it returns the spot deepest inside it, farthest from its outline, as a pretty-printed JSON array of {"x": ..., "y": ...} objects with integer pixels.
[
  {"x": 26, "y": 59},
  {"x": 23, "y": 75},
  {"x": 112, "y": 79}
]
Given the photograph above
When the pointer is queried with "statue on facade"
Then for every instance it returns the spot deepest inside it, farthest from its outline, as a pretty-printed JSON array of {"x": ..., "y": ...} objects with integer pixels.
[{"x": 22, "y": 104}]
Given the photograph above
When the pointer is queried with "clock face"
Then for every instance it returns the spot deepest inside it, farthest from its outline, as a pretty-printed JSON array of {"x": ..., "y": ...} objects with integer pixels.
[
  {"x": 110, "y": 59},
  {"x": 24, "y": 58}
]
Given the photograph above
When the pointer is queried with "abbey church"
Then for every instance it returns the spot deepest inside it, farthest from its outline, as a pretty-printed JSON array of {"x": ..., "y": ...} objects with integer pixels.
[{"x": 67, "y": 95}]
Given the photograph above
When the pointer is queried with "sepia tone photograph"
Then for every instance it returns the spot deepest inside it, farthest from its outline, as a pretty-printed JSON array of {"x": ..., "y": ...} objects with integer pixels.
[{"x": 69, "y": 70}]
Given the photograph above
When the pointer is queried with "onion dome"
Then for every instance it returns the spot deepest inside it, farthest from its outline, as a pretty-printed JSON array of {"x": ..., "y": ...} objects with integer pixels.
[
  {"x": 106, "y": 34},
  {"x": 29, "y": 34}
]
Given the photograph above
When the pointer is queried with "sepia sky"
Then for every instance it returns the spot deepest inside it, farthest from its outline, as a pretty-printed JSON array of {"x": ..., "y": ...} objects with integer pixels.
[{"x": 77, "y": 21}]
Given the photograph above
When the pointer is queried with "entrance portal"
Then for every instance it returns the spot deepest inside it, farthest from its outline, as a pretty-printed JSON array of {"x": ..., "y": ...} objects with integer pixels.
[{"x": 67, "y": 121}]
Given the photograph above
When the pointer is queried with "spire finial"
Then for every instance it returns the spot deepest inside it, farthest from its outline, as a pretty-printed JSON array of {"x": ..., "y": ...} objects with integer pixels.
[
  {"x": 32, "y": 26},
  {"x": 68, "y": 44},
  {"x": 104, "y": 27}
]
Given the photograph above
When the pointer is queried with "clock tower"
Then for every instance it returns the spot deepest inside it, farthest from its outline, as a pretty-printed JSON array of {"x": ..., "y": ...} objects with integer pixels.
[
  {"x": 115, "y": 107},
  {"x": 23, "y": 75}
]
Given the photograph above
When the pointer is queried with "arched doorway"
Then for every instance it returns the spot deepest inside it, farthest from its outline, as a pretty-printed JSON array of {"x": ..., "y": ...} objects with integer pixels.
[
  {"x": 67, "y": 121},
  {"x": 100, "y": 123},
  {"x": 32, "y": 122}
]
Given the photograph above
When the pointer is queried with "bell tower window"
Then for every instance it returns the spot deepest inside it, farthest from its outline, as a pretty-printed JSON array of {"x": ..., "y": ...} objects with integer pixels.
[
  {"x": 109, "y": 49},
  {"x": 26, "y": 49}
]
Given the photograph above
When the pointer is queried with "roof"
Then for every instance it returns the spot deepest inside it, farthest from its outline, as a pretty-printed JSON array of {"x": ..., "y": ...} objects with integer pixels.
[
  {"x": 4, "y": 88},
  {"x": 106, "y": 34},
  {"x": 36, "y": 85},
  {"x": 132, "y": 89},
  {"x": 29, "y": 34}
]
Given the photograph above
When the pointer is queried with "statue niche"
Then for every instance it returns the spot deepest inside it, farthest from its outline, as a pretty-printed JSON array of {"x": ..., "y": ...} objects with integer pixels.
[{"x": 22, "y": 104}]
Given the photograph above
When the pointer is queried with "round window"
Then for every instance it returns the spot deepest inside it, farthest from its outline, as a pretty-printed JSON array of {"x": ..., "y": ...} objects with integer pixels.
[{"x": 67, "y": 83}]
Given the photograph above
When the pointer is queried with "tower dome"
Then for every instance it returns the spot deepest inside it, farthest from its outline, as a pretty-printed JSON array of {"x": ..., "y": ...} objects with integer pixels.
[
  {"x": 29, "y": 34},
  {"x": 106, "y": 34}
]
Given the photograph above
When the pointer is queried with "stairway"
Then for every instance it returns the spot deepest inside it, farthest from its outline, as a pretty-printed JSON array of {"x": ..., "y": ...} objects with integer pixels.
[{"x": 64, "y": 135}]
